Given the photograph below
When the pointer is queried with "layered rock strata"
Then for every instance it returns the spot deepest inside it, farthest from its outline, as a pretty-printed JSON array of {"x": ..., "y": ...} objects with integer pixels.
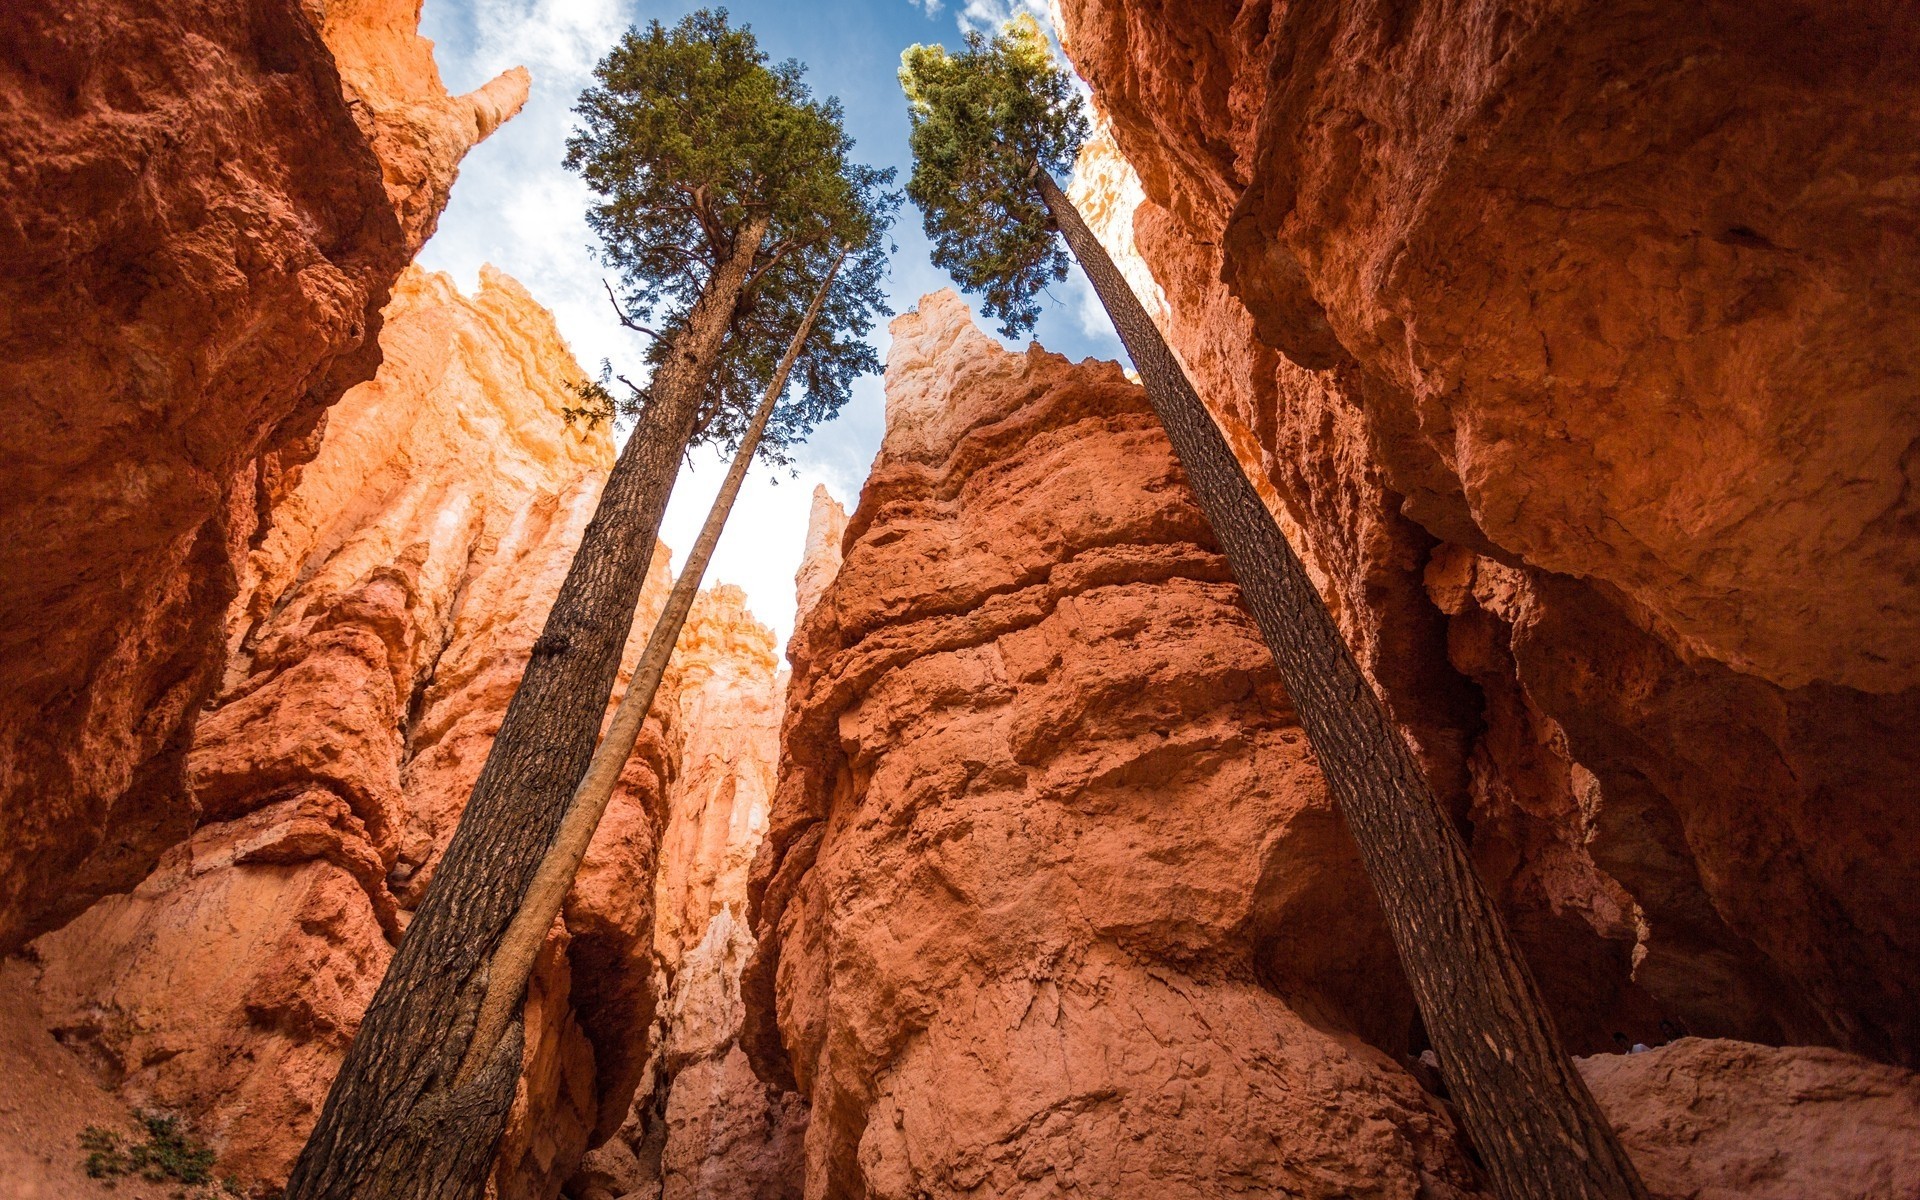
[
  {"x": 1053, "y": 898},
  {"x": 207, "y": 203},
  {"x": 726, "y": 1133},
  {"x": 383, "y": 627},
  {"x": 1576, "y": 348}
]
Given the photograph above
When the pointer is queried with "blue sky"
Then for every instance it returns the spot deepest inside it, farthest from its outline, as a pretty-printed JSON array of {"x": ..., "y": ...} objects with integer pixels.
[{"x": 516, "y": 207}]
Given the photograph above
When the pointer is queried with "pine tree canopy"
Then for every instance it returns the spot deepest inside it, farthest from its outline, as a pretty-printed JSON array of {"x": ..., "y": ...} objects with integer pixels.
[
  {"x": 983, "y": 121},
  {"x": 688, "y": 133}
]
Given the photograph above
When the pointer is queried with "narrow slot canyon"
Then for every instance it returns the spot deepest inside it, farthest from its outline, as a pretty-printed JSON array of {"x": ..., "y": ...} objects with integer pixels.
[{"x": 1572, "y": 351}]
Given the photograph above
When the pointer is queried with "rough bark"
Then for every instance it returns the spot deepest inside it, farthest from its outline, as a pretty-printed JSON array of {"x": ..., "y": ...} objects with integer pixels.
[
  {"x": 513, "y": 961},
  {"x": 1529, "y": 1114},
  {"x": 372, "y": 1136}
]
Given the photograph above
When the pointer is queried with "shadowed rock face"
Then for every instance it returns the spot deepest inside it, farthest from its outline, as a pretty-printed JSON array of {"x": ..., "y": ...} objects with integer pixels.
[
  {"x": 207, "y": 205},
  {"x": 1053, "y": 897},
  {"x": 1575, "y": 346},
  {"x": 383, "y": 625},
  {"x": 1706, "y": 1118}
]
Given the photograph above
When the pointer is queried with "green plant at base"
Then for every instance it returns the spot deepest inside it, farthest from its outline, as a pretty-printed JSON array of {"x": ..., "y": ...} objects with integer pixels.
[{"x": 167, "y": 1154}]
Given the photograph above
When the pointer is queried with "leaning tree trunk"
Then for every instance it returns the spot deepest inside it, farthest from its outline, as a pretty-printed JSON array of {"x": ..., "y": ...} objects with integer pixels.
[
  {"x": 513, "y": 961},
  {"x": 395, "y": 1126},
  {"x": 1529, "y": 1114}
]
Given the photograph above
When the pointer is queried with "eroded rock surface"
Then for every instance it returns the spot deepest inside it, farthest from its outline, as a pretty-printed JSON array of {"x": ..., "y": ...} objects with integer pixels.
[
  {"x": 1576, "y": 347},
  {"x": 1054, "y": 899},
  {"x": 384, "y": 625},
  {"x": 207, "y": 203},
  {"x": 703, "y": 1124},
  {"x": 1707, "y": 1119}
]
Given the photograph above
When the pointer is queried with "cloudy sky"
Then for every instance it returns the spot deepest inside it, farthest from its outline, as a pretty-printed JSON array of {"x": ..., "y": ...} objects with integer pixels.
[{"x": 516, "y": 207}]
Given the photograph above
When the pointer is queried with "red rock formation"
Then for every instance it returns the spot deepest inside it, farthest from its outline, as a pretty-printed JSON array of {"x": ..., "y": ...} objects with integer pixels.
[
  {"x": 1053, "y": 898},
  {"x": 386, "y": 621},
  {"x": 1717, "y": 1118},
  {"x": 730, "y": 708},
  {"x": 1617, "y": 304},
  {"x": 706, "y": 1126},
  {"x": 46, "y": 1097},
  {"x": 207, "y": 203}
]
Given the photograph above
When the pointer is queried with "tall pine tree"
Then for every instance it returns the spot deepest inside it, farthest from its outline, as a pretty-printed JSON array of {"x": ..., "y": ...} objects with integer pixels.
[
  {"x": 723, "y": 188},
  {"x": 991, "y": 126}
]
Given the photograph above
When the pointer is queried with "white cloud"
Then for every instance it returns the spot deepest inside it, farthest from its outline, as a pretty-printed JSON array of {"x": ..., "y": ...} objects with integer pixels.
[
  {"x": 515, "y": 205},
  {"x": 989, "y": 15}
]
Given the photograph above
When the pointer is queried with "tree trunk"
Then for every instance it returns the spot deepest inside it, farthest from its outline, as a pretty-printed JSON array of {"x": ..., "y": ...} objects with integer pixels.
[
  {"x": 513, "y": 961},
  {"x": 1525, "y": 1107},
  {"x": 393, "y": 1102}
]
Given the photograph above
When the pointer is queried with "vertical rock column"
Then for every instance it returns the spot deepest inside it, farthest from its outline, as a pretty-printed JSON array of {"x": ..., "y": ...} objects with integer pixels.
[{"x": 1054, "y": 899}]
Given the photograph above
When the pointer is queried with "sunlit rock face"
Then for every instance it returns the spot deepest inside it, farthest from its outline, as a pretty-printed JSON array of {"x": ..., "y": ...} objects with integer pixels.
[
  {"x": 730, "y": 708},
  {"x": 1577, "y": 347},
  {"x": 207, "y": 205},
  {"x": 382, "y": 627},
  {"x": 1052, "y": 881},
  {"x": 820, "y": 560}
]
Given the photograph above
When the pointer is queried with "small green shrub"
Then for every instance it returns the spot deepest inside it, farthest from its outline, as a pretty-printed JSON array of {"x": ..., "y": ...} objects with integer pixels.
[{"x": 167, "y": 1153}]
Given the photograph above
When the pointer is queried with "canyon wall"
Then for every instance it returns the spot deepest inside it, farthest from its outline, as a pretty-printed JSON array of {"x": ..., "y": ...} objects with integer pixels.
[
  {"x": 1053, "y": 899},
  {"x": 1574, "y": 343},
  {"x": 207, "y": 203},
  {"x": 381, "y": 629},
  {"x": 703, "y": 1125}
]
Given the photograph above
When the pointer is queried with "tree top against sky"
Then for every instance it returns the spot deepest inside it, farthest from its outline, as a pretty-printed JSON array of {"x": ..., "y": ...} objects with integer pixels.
[
  {"x": 983, "y": 121},
  {"x": 690, "y": 133}
]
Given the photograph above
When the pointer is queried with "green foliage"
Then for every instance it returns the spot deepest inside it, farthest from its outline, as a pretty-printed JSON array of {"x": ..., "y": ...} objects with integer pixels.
[
  {"x": 688, "y": 132},
  {"x": 984, "y": 120},
  {"x": 835, "y": 353},
  {"x": 597, "y": 405},
  {"x": 166, "y": 1154}
]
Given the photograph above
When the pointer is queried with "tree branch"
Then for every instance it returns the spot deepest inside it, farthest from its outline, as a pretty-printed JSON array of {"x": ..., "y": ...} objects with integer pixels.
[
  {"x": 702, "y": 207},
  {"x": 626, "y": 320},
  {"x": 779, "y": 252}
]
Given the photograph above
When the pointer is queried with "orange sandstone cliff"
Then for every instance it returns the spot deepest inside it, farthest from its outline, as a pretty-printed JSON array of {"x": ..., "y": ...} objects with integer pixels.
[
  {"x": 1575, "y": 345},
  {"x": 1571, "y": 345},
  {"x": 1053, "y": 900},
  {"x": 1052, "y": 884},
  {"x": 207, "y": 203},
  {"x": 383, "y": 625}
]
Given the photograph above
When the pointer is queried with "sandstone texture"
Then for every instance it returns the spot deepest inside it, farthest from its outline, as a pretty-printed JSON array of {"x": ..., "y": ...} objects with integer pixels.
[
  {"x": 1716, "y": 1120},
  {"x": 820, "y": 559},
  {"x": 729, "y": 697},
  {"x": 702, "y": 1124},
  {"x": 382, "y": 626},
  {"x": 206, "y": 206},
  {"x": 1575, "y": 345},
  {"x": 1053, "y": 900},
  {"x": 47, "y": 1095}
]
